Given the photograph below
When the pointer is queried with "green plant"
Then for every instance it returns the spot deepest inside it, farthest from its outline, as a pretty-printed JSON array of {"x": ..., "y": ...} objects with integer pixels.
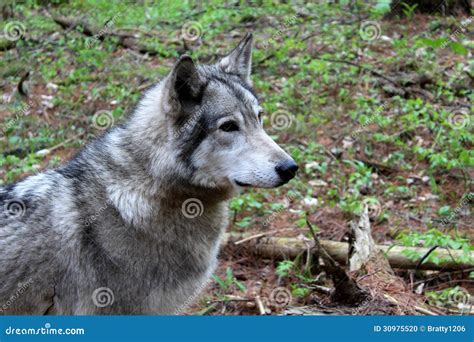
[
  {"x": 228, "y": 281},
  {"x": 408, "y": 10},
  {"x": 284, "y": 267},
  {"x": 432, "y": 238}
]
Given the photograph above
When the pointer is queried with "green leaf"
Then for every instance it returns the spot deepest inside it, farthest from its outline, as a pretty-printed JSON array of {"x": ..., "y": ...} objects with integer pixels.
[
  {"x": 229, "y": 275},
  {"x": 382, "y": 6},
  {"x": 434, "y": 43},
  {"x": 284, "y": 267},
  {"x": 219, "y": 281},
  {"x": 458, "y": 48},
  {"x": 444, "y": 210},
  {"x": 240, "y": 286}
]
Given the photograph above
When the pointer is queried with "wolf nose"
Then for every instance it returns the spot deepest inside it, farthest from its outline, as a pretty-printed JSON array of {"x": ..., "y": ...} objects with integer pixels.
[{"x": 286, "y": 170}]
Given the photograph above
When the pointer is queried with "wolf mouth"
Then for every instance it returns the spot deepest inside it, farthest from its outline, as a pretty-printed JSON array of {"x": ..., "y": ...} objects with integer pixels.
[{"x": 239, "y": 183}]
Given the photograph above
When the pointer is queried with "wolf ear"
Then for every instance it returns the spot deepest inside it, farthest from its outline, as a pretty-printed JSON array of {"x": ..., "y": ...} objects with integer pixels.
[
  {"x": 185, "y": 84},
  {"x": 239, "y": 60}
]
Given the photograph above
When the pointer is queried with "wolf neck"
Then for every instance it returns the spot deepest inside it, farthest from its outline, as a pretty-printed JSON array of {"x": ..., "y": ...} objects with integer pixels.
[{"x": 147, "y": 178}]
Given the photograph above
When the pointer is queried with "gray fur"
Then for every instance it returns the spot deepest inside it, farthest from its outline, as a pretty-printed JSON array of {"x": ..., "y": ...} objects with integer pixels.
[{"x": 113, "y": 216}]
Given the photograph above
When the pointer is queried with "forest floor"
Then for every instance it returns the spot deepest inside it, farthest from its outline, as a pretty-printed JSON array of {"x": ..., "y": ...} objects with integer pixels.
[{"x": 374, "y": 110}]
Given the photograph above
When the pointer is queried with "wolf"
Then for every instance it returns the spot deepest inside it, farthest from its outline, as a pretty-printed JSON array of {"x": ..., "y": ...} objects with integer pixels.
[{"x": 132, "y": 224}]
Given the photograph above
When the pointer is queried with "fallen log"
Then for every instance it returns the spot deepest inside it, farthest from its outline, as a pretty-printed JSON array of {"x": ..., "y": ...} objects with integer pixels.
[{"x": 289, "y": 248}]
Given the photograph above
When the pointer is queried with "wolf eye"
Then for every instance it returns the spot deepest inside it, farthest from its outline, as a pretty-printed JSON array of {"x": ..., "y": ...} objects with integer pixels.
[{"x": 229, "y": 126}]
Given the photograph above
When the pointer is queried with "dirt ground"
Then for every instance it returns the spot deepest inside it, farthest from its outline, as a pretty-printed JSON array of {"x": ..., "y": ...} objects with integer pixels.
[{"x": 374, "y": 109}]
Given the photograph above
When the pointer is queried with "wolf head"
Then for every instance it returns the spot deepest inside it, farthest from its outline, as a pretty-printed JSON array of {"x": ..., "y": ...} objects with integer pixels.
[{"x": 214, "y": 122}]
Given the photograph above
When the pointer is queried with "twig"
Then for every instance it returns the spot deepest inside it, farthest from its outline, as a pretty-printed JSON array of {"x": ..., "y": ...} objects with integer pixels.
[
  {"x": 346, "y": 289},
  {"x": 368, "y": 275},
  {"x": 20, "y": 88},
  {"x": 417, "y": 308},
  {"x": 443, "y": 274},
  {"x": 205, "y": 311},
  {"x": 260, "y": 306},
  {"x": 256, "y": 236},
  {"x": 379, "y": 166},
  {"x": 372, "y": 71},
  {"x": 47, "y": 151},
  {"x": 323, "y": 289},
  {"x": 427, "y": 254},
  {"x": 125, "y": 40},
  {"x": 263, "y": 60},
  {"x": 231, "y": 299}
]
